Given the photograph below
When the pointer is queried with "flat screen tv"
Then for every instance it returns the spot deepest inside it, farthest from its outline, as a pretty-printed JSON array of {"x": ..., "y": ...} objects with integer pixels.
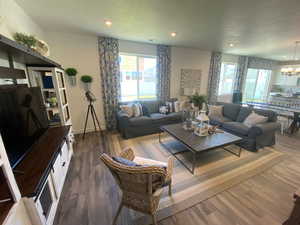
[{"x": 23, "y": 119}]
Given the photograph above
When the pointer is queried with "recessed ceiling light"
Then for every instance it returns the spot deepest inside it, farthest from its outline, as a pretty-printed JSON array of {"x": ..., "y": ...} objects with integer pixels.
[
  {"x": 231, "y": 45},
  {"x": 108, "y": 23},
  {"x": 173, "y": 34}
]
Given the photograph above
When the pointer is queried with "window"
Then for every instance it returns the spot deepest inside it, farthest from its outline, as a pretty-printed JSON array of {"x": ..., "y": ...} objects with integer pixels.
[
  {"x": 227, "y": 77},
  {"x": 257, "y": 85},
  {"x": 138, "y": 77}
]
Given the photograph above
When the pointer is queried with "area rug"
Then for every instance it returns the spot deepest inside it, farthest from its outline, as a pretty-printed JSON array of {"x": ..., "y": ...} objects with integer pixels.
[{"x": 216, "y": 171}]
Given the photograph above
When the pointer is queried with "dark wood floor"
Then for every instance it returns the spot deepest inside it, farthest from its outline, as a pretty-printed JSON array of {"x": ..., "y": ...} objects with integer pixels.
[{"x": 90, "y": 195}]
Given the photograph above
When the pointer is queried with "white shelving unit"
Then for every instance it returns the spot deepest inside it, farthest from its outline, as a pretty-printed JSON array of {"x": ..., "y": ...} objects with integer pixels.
[
  {"x": 17, "y": 209},
  {"x": 54, "y": 92}
]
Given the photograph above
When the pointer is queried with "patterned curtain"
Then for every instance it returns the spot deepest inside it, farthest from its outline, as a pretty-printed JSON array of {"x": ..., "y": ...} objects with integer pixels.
[
  {"x": 214, "y": 77},
  {"x": 260, "y": 63},
  {"x": 163, "y": 72},
  {"x": 110, "y": 75},
  {"x": 241, "y": 73}
]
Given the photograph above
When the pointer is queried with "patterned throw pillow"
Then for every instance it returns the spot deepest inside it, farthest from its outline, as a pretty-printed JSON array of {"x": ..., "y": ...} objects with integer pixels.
[
  {"x": 174, "y": 106},
  {"x": 215, "y": 111},
  {"x": 127, "y": 109},
  {"x": 254, "y": 119},
  {"x": 137, "y": 110}
]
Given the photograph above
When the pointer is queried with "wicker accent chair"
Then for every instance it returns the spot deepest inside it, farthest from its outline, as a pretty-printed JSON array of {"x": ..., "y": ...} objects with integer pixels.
[{"x": 141, "y": 186}]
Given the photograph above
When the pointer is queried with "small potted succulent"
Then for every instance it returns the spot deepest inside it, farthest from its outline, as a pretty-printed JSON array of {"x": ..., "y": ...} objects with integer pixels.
[
  {"x": 87, "y": 80},
  {"x": 71, "y": 72}
]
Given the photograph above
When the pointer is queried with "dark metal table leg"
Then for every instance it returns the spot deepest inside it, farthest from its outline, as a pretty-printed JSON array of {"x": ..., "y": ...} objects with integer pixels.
[
  {"x": 194, "y": 162},
  {"x": 176, "y": 153},
  {"x": 234, "y": 153}
]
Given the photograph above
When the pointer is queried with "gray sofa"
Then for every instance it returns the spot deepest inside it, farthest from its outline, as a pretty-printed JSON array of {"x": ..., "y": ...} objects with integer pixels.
[
  {"x": 255, "y": 137},
  {"x": 149, "y": 123}
]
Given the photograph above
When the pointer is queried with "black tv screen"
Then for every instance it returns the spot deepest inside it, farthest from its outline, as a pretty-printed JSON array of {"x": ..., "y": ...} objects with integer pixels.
[{"x": 23, "y": 119}]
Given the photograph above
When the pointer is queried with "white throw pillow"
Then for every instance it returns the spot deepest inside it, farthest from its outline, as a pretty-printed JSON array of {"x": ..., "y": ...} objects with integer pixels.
[
  {"x": 177, "y": 106},
  {"x": 215, "y": 111},
  {"x": 137, "y": 110},
  {"x": 254, "y": 119},
  {"x": 163, "y": 109},
  {"x": 127, "y": 109}
]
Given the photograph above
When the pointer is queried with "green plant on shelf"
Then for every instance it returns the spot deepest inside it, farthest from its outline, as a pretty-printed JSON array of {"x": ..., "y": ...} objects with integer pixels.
[
  {"x": 71, "y": 72},
  {"x": 86, "y": 79},
  {"x": 28, "y": 40}
]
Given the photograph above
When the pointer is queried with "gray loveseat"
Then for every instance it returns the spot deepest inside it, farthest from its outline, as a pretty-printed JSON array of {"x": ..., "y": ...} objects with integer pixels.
[
  {"x": 255, "y": 137},
  {"x": 149, "y": 123}
]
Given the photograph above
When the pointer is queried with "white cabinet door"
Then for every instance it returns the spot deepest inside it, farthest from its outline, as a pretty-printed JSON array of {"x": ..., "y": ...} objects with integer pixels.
[
  {"x": 57, "y": 175},
  {"x": 46, "y": 203},
  {"x": 60, "y": 168},
  {"x": 64, "y": 157}
]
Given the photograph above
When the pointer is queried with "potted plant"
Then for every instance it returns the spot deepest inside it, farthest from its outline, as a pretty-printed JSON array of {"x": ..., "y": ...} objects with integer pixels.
[
  {"x": 28, "y": 40},
  {"x": 197, "y": 100},
  {"x": 71, "y": 72},
  {"x": 87, "y": 80}
]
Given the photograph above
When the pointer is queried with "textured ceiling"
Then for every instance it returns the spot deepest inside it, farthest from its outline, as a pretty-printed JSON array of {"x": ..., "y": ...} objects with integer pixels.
[{"x": 264, "y": 28}]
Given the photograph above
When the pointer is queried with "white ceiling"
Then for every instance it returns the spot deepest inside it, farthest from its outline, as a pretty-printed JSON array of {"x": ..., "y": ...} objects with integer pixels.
[{"x": 263, "y": 28}]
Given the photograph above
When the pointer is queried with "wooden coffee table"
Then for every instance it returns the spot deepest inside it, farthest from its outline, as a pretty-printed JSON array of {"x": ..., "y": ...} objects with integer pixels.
[{"x": 196, "y": 144}]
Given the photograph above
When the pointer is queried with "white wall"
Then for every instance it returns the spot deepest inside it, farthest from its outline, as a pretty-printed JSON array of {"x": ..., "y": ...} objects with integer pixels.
[
  {"x": 188, "y": 58},
  {"x": 14, "y": 19},
  {"x": 81, "y": 52},
  {"x": 136, "y": 48}
]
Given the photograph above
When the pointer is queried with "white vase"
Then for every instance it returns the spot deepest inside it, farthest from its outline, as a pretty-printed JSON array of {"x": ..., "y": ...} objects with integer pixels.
[
  {"x": 87, "y": 86},
  {"x": 73, "y": 80}
]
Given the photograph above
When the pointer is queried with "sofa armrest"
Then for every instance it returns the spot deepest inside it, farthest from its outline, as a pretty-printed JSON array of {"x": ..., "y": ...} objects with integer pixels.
[
  {"x": 123, "y": 120},
  {"x": 263, "y": 128},
  {"x": 122, "y": 115}
]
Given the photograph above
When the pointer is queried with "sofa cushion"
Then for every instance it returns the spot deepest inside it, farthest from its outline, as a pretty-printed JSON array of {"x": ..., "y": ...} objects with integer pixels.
[
  {"x": 149, "y": 162},
  {"x": 236, "y": 128},
  {"x": 218, "y": 121},
  {"x": 243, "y": 114},
  {"x": 231, "y": 110},
  {"x": 140, "y": 121},
  {"x": 175, "y": 115},
  {"x": 158, "y": 117},
  {"x": 124, "y": 161}
]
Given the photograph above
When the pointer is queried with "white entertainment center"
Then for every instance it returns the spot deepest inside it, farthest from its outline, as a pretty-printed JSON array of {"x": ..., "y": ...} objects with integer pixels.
[{"x": 29, "y": 194}]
